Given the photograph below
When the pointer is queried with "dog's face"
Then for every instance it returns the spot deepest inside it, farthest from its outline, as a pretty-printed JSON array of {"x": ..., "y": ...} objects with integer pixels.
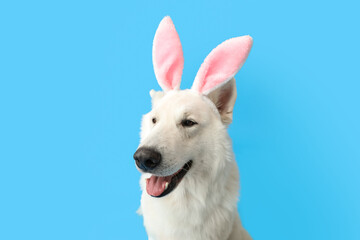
[
  {"x": 173, "y": 136},
  {"x": 178, "y": 132},
  {"x": 175, "y": 129},
  {"x": 180, "y": 128}
]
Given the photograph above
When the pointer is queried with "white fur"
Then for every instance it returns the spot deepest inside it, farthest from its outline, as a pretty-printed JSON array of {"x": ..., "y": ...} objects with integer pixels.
[{"x": 204, "y": 205}]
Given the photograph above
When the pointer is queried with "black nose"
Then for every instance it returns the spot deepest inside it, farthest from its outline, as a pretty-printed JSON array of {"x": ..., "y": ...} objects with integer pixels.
[{"x": 147, "y": 158}]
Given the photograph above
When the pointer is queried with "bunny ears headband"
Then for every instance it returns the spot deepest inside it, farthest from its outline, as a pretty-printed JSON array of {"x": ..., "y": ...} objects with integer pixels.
[{"x": 218, "y": 68}]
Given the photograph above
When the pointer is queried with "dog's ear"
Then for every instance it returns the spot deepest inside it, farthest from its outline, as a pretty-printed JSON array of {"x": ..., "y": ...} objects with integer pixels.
[
  {"x": 224, "y": 99},
  {"x": 215, "y": 77},
  {"x": 155, "y": 97},
  {"x": 168, "y": 57}
]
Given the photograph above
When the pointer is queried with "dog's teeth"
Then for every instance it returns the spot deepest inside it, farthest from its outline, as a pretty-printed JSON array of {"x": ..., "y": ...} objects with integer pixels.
[{"x": 166, "y": 185}]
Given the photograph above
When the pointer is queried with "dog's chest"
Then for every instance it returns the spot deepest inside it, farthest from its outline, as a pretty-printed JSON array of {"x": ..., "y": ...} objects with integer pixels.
[{"x": 186, "y": 220}]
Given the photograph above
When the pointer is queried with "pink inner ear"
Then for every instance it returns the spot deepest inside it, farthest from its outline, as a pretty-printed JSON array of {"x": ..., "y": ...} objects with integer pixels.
[
  {"x": 168, "y": 57},
  {"x": 222, "y": 64}
]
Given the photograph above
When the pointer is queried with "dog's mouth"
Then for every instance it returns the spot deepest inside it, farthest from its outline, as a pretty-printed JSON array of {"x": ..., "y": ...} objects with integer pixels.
[{"x": 157, "y": 186}]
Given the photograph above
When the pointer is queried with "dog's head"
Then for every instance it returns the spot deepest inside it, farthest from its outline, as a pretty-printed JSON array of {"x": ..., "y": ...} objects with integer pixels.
[{"x": 179, "y": 130}]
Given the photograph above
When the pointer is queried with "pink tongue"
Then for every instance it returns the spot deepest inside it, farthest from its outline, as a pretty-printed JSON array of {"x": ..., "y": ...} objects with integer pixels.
[{"x": 155, "y": 185}]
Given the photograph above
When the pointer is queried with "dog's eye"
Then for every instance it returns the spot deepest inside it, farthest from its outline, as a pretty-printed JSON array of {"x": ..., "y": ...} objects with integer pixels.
[
  {"x": 154, "y": 120},
  {"x": 188, "y": 123}
]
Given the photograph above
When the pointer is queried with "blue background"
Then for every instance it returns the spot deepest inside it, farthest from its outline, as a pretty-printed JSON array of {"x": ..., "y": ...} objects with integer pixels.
[{"x": 74, "y": 82}]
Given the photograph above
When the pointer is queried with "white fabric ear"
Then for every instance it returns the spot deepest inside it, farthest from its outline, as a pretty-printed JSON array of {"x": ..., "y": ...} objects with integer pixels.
[
  {"x": 168, "y": 57},
  {"x": 222, "y": 64}
]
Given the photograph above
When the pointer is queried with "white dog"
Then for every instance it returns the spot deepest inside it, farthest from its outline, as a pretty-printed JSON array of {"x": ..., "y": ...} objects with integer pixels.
[{"x": 190, "y": 179}]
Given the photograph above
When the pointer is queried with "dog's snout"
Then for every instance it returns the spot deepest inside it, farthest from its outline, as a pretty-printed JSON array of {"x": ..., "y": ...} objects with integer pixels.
[{"x": 147, "y": 158}]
